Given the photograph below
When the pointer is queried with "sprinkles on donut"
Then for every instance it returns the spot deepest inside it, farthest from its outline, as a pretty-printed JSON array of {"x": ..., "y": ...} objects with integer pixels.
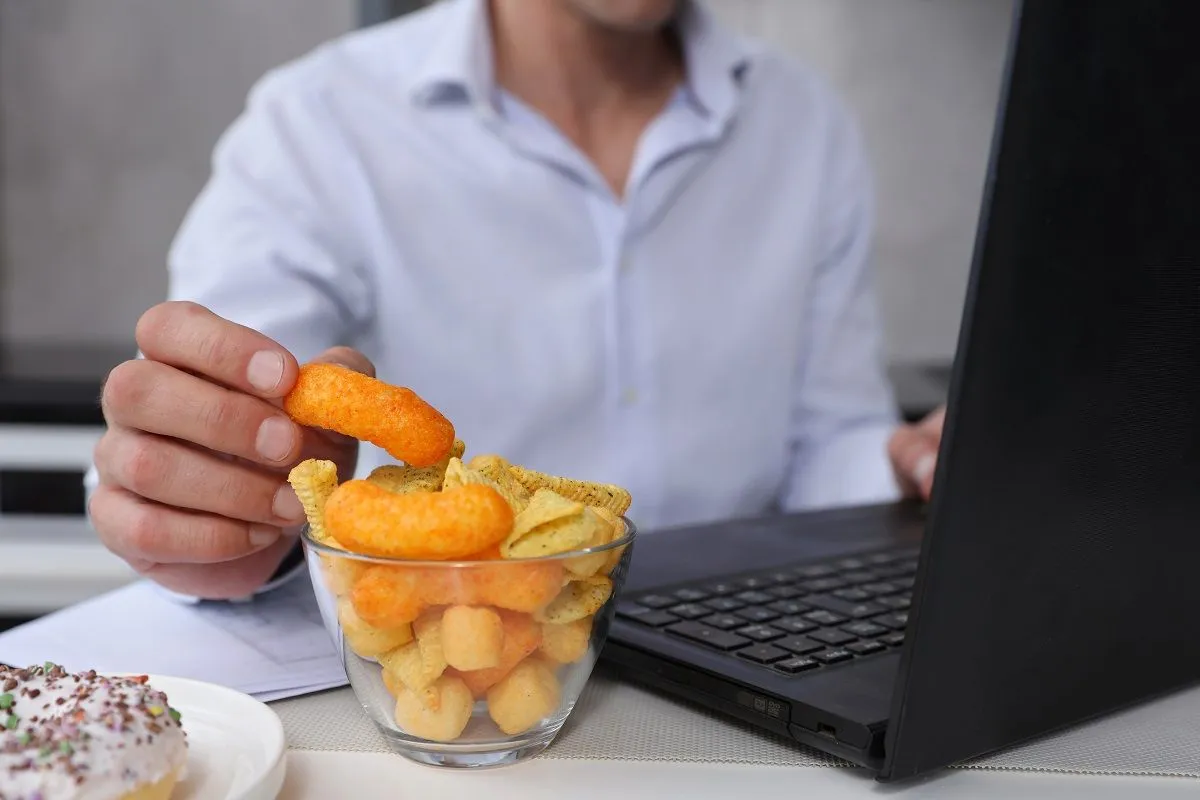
[{"x": 68, "y": 736}]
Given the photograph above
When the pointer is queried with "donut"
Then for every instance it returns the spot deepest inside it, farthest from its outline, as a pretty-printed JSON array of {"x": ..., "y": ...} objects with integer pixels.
[
  {"x": 391, "y": 417},
  {"x": 69, "y": 736}
]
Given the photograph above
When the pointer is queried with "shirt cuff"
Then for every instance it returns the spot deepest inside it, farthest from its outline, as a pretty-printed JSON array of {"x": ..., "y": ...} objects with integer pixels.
[{"x": 288, "y": 570}]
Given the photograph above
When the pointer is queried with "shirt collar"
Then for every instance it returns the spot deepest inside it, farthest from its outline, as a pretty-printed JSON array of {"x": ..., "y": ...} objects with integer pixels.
[{"x": 459, "y": 65}]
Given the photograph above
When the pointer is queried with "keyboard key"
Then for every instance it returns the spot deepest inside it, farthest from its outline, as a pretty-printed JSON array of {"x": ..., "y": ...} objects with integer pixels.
[
  {"x": 834, "y": 656},
  {"x": 911, "y": 566},
  {"x": 864, "y": 630},
  {"x": 831, "y": 636},
  {"x": 692, "y": 595},
  {"x": 823, "y": 617},
  {"x": 859, "y": 576},
  {"x": 853, "y": 595},
  {"x": 759, "y": 633},
  {"x": 815, "y": 571},
  {"x": 898, "y": 601},
  {"x": 724, "y": 621},
  {"x": 881, "y": 558},
  {"x": 892, "y": 571},
  {"x": 897, "y": 621},
  {"x": 800, "y": 645},
  {"x": 757, "y": 614},
  {"x": 724, "y": 604},
  {"x": 893, "y": 639},
  {"x": 843, "y": 607},
  {"x": 880, "y": 588},
  {"x": 755, "y": 582},
  {"x": 786, "y": 592},
  {"x": 754, "y": 597},
  {"x": 763, "y": 654},
  {"x": 865, "y": 648},
  {"x": 656, "y": 601},
  {"x": 851, "y": 563},
  {"x": 789, "y": 607},
  {"x": 794, "y": 625},
  {"x": 721, "y": 588},
  {"x": 822, "y": 584},
  {"x": 711, "y": 637},
  {"x": 905, "y": 584},
  {"x": 647, "y": 616},
  {"x": 798, "y": 664},
  {"x": 781, "y": 577},
  {"x": 690, "y": 610}
]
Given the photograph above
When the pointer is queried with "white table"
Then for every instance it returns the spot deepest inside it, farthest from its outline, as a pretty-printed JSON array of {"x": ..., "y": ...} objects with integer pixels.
[{"x": 376, "y": 776}]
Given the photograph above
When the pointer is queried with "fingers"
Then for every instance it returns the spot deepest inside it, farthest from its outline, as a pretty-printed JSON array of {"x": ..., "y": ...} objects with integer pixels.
[
  {"x": 191, "y": 338},
  {"x": 171, "y": 473},
  {"x": 914, "y": 452},
  {"x": 158, "y": 398},
  {"x": 139, "y": 530},
  {"x": 223, "y": 581},
  {"x": 348, "y": 358}
]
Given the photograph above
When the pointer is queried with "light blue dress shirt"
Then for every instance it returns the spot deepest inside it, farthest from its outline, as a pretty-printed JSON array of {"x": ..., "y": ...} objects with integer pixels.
[{"x": 710, "y": 340}]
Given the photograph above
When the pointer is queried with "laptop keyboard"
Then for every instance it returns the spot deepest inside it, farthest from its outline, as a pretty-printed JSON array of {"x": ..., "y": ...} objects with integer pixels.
[{"x": 793, "y": 619}]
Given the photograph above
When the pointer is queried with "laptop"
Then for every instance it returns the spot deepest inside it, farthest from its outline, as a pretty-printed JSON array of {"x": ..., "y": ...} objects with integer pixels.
[{"x": 1053, "y": 577}]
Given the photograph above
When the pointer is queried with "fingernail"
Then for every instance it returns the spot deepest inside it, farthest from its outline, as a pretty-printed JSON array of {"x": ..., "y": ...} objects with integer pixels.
[
  {"x": 263, "y": 537},
  {"x": 265, "y": 371},
  {"x": 286, "y": 505},
  {"x": 924, "y": 468},
  {"x": 276, "y": 437}
]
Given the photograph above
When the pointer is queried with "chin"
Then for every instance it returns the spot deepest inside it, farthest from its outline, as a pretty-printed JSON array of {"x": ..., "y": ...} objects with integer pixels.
[{"x": 634, "y": 16}]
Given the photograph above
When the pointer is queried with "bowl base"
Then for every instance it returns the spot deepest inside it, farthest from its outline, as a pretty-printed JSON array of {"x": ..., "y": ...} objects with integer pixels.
[{"x": 465, "y": 756}]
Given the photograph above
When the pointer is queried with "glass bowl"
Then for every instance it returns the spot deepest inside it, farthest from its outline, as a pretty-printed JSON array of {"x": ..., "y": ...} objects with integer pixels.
[{"x": 469, "y": 663}]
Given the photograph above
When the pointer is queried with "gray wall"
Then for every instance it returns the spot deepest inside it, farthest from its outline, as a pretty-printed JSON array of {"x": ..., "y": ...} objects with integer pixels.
[
  {"x": 111, "y": 107},
  {"x": 110, "y": 111}
]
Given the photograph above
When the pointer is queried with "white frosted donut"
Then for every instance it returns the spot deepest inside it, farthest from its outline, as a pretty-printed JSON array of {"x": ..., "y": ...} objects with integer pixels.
[{"x": 83, "y": 736}]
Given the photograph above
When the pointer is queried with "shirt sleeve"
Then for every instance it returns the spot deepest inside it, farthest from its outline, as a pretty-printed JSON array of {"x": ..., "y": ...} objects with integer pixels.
[
  {"x": 266, "y": 243},
  {"x": 843, "y": 411}
]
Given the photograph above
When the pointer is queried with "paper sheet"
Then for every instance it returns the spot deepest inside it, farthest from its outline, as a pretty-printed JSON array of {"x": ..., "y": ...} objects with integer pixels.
[{"x": 272, "y": 647}]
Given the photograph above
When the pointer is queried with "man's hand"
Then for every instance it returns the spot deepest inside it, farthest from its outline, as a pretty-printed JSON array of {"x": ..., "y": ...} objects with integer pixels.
[
  {"x": 193, "y": 467},
  {"x": 914, "y": 450}
]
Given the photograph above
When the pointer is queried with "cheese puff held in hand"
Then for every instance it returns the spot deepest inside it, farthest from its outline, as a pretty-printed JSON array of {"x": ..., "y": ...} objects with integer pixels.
[
  {"x": 443, "y": 720},
  {"x": 525, "y": 696},
  {"x": 353, "y": 404}
]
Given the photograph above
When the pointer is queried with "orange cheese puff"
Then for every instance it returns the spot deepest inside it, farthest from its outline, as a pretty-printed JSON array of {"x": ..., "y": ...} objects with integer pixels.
[
  {"x": 521, "y": 637},
  {"x": 392, "y": 417},
  {"x": 391, "y": 597},
  {"x": 517, "y": 587},
  {"x": 491, "y": 553},
  {"x": 449, "y": 524}
]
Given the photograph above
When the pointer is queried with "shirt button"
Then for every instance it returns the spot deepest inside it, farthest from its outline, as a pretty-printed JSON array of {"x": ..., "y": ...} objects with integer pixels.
[{"x": 629, "y": 396}]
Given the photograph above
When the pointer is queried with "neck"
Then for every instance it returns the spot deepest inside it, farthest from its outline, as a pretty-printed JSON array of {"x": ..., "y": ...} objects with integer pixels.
[{"x": 572, "y": 69}]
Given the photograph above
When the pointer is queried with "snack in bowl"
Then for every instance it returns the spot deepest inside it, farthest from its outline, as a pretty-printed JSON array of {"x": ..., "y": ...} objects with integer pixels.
[
  {"x": 65, "y": 736},
  {"x": 469, "y": 598}
]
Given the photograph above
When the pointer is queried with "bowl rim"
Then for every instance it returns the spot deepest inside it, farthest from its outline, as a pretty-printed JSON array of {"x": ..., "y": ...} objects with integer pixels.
[{"x": 310, "y": 543}]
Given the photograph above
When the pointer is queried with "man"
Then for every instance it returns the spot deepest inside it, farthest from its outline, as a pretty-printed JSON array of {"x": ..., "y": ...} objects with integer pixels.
[{"x": 606, "y": 238}]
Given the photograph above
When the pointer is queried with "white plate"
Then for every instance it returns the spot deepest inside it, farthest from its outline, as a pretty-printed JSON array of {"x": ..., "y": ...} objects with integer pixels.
[{"x": 236, "y": 748}]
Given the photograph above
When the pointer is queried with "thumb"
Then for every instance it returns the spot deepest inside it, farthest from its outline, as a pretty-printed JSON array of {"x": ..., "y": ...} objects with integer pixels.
[{"x": 347, "y": 357}]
